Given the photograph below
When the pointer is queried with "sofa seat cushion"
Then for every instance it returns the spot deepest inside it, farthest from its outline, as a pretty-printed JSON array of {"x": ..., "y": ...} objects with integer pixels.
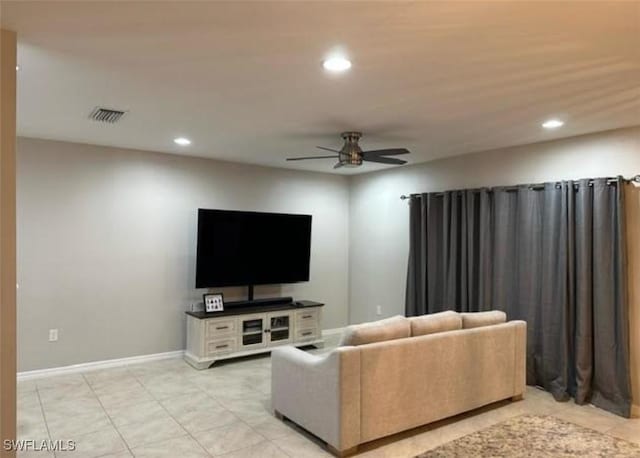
[
  {"x": 479, "y": 319},
  {"x": 396, "y": 327},
  {"x": 435, "y": 322}
]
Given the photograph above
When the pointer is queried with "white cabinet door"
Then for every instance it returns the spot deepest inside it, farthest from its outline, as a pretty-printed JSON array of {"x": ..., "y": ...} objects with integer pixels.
[
  {"x": 252, "y": 331},
  {"x": 280, "y": 325}
]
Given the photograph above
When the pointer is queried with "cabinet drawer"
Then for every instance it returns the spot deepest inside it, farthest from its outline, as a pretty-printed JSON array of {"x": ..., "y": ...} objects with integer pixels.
[
  {"x": 307, "y": 334},
  {"x": 217, "y": 347},
  {"x": 216, "y": 328},
  {"x": 307, "y": 318}
]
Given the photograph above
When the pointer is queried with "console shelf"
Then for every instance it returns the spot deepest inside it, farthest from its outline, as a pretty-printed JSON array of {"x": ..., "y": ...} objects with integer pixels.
[{"x": 251, "y": 329}]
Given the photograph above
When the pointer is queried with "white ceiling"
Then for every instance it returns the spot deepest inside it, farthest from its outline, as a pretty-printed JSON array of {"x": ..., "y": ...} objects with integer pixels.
[{"x": 244, "y": 80}]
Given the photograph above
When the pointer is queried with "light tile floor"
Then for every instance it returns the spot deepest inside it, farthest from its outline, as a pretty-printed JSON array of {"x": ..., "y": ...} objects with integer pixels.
[{"x": 167, "y": 408}]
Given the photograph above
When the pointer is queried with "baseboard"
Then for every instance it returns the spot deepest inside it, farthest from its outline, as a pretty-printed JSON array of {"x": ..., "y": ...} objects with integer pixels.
[
  {"x": 332, "y": 332},
  {"x": 110, "y": 363},
  {"x": 96, "y": 365}
]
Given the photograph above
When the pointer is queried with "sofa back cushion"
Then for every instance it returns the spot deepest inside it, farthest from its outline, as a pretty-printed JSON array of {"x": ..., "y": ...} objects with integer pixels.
[
  {"x": 435, "y": 322},
  {"x": 479, "y": 319},
  {"x": 396, "y": 327},
  {"x": 411, "y": 382}
]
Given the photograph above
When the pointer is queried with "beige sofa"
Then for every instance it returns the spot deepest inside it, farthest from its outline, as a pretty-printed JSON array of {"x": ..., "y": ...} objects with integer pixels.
[{"x": 355, "y": 394}]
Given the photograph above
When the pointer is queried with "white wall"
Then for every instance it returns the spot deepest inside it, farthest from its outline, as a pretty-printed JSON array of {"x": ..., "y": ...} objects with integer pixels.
[
  {"x": 106, "y": 245},
  {"x": 106, "y": 237},
  {"x": 379, "y": 220}
]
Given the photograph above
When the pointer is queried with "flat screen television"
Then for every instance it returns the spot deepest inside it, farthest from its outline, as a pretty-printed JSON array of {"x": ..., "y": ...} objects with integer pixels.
[{"x": 249, "y": 248}]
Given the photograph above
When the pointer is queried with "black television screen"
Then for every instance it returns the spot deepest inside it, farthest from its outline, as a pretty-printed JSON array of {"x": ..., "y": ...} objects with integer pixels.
[{"x": 249, "y": 248}]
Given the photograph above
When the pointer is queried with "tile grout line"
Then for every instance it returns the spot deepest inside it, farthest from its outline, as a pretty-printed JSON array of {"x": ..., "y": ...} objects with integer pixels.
[
  {"x": 243, "y": 374},
  {"x": 44, "y": 411},
  {"x": 44, "y": 417},
  {"x": 231, "y": 412},
  {"x": 266, "y": 438},
  {"x": 248, "y": 424},
  {"x": 255, "y": 431},
  {"x": 272, "y": 441},
  {"x": 198, "y": 386},
  {"x": 108, "y": 416},
  {"x": 171, "y": 415}
]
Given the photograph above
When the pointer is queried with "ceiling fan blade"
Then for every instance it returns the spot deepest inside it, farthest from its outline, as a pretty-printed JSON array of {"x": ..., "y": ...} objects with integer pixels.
[
  {"x": 383, "y": 160},
  {"x": 386, "y": 152},
  {"x": 338, "y": 165},
  {"x": 328, "y": 149},
  {"x": 310, "y": 157}
]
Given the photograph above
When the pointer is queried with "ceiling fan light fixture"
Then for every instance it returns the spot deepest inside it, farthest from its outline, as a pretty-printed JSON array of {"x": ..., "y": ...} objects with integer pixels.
[
  {"x": 350, "y": 160},
  {"x": 351, "y": 154}
]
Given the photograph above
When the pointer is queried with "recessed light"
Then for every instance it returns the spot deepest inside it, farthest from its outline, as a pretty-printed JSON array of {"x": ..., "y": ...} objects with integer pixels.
[
  {"x": 182, "y": 141},
  {"x": 17, "y": 68},
  {"x": 337, "y": 64},
  {"x": 552, "y": 124}
]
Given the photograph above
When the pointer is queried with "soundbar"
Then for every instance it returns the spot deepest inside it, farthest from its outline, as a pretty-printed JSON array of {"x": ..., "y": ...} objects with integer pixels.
[{"x": 266, "y": 302}]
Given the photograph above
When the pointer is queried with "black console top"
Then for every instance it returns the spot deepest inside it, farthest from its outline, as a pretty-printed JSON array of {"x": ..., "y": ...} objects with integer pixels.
[{"x": 243, "y": 308}]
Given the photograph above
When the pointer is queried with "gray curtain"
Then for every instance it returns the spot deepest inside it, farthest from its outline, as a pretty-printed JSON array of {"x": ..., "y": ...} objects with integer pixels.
[{"x": 552, "y": 255}]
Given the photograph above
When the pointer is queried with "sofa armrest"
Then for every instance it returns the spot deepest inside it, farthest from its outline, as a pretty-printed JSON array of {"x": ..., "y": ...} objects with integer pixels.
[
  {"x": 320, "y": 393},
  {"x": 297, "y": 357}
]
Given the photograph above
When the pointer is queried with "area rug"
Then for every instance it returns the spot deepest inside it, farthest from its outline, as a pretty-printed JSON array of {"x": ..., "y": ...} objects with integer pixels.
[{"x": 535, "y": 436}]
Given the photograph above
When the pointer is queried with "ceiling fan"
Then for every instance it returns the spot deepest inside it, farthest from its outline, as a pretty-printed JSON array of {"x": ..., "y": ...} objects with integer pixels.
[{"x": 351, "y": 155}]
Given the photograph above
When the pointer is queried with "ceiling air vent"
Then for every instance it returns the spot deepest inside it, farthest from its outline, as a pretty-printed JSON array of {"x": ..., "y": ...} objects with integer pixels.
[{"x": 106, "y": 115}]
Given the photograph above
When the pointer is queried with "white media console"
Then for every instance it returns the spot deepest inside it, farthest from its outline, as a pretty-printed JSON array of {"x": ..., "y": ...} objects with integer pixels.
[{"x": 241, "y": 331}]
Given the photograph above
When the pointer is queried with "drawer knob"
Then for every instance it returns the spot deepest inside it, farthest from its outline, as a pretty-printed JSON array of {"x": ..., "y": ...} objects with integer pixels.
[
  {"x": 222, "y": 346},
  {"x": 306, "y": 316},
  {"x": 222, "y": 327},
  {"x": 308, "y": 333}
]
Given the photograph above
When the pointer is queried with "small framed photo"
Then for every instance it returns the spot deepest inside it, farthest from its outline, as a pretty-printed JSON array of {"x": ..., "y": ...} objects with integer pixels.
[{"x": 213, "y": 302}]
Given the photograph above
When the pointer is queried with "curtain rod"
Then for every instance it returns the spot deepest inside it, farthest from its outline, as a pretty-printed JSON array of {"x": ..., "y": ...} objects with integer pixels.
[{"x": 532, "y": 186}]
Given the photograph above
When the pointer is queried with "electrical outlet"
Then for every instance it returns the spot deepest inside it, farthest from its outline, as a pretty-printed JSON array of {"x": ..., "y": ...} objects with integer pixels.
[
  {"x": 379, "y": 310},
  {"x": 53, "y": 335}
]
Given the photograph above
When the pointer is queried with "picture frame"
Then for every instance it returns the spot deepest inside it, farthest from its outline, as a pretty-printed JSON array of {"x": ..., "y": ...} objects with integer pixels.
[{"x": 213, "y": 302}]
